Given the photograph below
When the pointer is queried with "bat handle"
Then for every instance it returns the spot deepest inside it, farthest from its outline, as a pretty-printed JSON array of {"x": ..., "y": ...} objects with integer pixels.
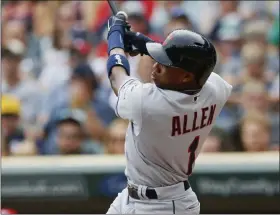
[{"x": 122, "y": 15}]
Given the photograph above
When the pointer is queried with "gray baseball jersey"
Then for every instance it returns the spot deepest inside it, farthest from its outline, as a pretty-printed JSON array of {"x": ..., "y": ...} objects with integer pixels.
[{"x": 167, "y": 128}]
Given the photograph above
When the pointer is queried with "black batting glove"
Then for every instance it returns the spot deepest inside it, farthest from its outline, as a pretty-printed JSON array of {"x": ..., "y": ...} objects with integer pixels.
[{"x": 138, "y": 40}]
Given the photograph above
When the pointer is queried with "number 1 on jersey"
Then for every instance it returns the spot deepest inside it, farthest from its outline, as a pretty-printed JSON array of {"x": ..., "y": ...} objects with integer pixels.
[{"x": 192, "y": 148}]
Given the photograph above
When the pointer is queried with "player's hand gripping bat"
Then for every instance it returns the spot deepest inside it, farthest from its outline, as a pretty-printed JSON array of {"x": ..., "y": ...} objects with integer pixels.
[{"x": 122, "y": 15}]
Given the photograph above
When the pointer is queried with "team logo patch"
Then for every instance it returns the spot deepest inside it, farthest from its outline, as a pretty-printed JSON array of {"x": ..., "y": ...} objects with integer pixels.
[{"x": 119, "y": 60}]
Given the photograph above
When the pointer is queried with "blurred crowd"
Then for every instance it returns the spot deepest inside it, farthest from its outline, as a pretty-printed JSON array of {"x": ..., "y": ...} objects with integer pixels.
[{"x": 56, "y": 98}]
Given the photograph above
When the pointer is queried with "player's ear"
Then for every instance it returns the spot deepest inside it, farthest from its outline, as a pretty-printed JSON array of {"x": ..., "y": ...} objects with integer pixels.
[{"x": 188, "y": 77}]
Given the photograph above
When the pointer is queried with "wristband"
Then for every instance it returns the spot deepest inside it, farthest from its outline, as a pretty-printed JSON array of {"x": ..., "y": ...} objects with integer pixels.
[{"x": 117, "y": 60}]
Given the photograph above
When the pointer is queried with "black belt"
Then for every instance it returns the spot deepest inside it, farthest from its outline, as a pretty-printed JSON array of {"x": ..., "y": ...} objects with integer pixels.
[{"x": 150, "y": 192}]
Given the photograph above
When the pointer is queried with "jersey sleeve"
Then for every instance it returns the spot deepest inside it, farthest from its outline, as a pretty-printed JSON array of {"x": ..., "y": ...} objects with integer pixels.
[
  {"x": 129, "y": 101},
  {"x": 223, "y": 88}
]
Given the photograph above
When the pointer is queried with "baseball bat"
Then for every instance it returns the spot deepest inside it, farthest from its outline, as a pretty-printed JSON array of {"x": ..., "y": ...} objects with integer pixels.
[
  {"x": 115, "y": 10},
  {"x": 113, "y": 7}
]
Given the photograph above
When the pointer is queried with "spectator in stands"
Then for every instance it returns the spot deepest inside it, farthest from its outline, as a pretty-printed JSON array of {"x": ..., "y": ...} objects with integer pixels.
[
  {"x": 71, "y": 135},
  {"x": 13, "y": 29},
  {"x": 228, "y": 13},
  {"x": 68, "y": 32},
  {"x": 136, "y": 17},
  {"x": 66, "y": 17},
  {"x": 256, "y": 32},
  {"x": 80, "y": 92},
  {"x": 217, "y": 141},
  {"x": 79, "y": 53},
  {"x": 15, "y": 140},
  {"x": 205, "y": 19},
  {"x": 273, "y": 34},
  {"x": 16, "y": 30},
  {"x": 178, "y": 20},
  {"x": 56, "y": 69},
  {"x": 44, "y": 17},
  {"x": 275, "y": 115},
  {"x": 116, "y": 137},
  {"x": 274, "y": 92},
  {"x": 254, "y": 97},
  {"x": 101, "y": 14},
  {"x": 228, "y": 41},
  {"x": 21, "y": 11},
  {"x": 161, "y": 14},
  {"x": 255, "y": 132},
  {"x": 13, "y": 83},
  {"x": 253, "y": 10},
  {"x": 4, "y": 147},
  {"x": 273, "y": 39},
  {"x": 41, "y": 38},
  {"x": 254, "y": 67}
]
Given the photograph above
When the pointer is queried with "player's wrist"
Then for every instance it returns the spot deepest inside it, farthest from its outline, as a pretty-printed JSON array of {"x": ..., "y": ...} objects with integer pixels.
[
  {"x": 117, "y": 51},
  {"x": 117, "y": 60}
]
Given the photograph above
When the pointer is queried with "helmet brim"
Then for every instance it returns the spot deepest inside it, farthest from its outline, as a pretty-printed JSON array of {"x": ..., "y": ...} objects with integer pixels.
[{"x": 157, "y": 52}]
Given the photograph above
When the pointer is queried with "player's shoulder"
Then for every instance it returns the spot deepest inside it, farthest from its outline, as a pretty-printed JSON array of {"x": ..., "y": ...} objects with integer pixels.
[
  {"x": 219, "y": 86},
  {"x": 217, "y": 79},
  {"x": 149, "y": 88},
  {"x": 135, "y": 88},
  {"x": 218, "y": 82},
  {"x": 146, "y": 88}
]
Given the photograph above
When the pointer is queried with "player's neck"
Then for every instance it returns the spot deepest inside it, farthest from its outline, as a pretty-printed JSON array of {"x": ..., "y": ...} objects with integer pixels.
[{"x": 190, "y": 89}]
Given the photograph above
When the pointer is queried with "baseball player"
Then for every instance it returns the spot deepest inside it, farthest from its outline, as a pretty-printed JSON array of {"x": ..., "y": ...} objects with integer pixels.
[{"x": 169, "y": 119}]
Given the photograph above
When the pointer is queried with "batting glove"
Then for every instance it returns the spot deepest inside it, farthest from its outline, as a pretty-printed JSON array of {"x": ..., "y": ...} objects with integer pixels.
[
  {"x": 138, "y": 40},
  {"x": 116, "y": 32},
  {"x": 117, "y": 24}
]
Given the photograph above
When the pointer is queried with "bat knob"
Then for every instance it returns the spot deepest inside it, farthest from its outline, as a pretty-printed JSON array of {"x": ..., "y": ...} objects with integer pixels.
[{"x": 122, "y": 15}]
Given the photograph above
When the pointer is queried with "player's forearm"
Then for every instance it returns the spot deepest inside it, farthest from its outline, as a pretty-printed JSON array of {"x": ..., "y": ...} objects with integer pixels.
[
  {"x": 117, "y": 51},
  {"x": 145, "y": 67},
  {"x": 118, "y": 67},
  {"x": 117, "y": 78},
  {"x": 118, "y": 74}
]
